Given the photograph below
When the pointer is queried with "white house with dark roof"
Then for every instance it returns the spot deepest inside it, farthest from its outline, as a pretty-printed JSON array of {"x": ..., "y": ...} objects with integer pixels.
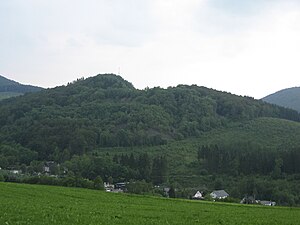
[{"x": 219, "y": 194}]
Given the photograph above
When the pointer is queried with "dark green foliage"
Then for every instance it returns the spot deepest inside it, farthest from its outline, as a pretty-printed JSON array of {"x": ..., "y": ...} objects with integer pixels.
[
  {"x": 247, "y": 158},
  {"x": 139, "y": 187},
  {"x": 144, "y": 165},
  {"x": 172, "y": 193},
  {"x": 98, "y": 183},
  {"x": 4, "y": 95},
  {"x": 218, "y": 184},
  {"x": 159, "y": 170},
  {"x": 68, "y": 181},
  {"x": 110, "y": 180},
  {"x": 103, "y": 126},
  {"x": 107, "y": 111},
  {"x": 11, "y": 154}
]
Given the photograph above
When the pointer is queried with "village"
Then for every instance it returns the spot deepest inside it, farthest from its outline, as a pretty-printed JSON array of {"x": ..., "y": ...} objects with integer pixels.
[
  {"x": 48, "y": 171},
  {"x": 216, "y": 195}
]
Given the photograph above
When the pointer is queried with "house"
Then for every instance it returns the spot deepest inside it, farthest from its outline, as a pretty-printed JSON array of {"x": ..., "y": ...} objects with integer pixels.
[
  {"x": 166, "y": 191},
  {"x": 249, "y": 200},
  {"x": 108, "y": 187},
  {"x": 198, "y": 196},
  {"x": 15, "y": 171},
  {"x": 117, "y": 188},
  {"x": 46, "y": 169},
  {"x": 121, "y": 186},
  {"x": 268, "y": 203},
  {"x": 219, "y": 194},
  {"x": 49, "y": 167}
]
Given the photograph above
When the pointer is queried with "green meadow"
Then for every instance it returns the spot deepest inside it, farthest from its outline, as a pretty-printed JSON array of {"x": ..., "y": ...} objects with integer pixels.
[{"x": 42, "y": 205}]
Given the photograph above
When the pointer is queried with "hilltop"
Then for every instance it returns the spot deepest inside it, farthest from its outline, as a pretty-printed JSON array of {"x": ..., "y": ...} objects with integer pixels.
[
  {"x": 10, "y": 88},
  {"x": 186, "y": 135},
  {"x": 289, "y": 98},
  {"x": 107, "y": 111}
]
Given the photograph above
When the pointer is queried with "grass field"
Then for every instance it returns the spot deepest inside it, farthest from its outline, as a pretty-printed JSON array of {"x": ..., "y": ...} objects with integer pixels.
[{"x": 41, "y": 205}]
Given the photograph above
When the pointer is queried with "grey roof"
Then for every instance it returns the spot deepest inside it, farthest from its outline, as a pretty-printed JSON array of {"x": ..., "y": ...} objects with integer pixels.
[
  {"x": 268, "y": 203},
  {"x": 220, "y": 193}
]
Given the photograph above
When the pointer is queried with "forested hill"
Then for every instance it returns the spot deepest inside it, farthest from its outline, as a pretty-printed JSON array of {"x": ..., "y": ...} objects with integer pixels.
[
  {"x": 289, "y": 98},
  {"x": 107, "y": 111},
  {"x": 10, "y": 88}
]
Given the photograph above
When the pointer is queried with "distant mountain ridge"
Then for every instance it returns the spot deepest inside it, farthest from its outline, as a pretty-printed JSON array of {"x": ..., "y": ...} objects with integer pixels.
[
  {"x": 10, "y": 88},
  {"x": 289, "y": 98}
]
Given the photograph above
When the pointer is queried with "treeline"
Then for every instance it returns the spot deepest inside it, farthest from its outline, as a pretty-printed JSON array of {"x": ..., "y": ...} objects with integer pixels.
[
  {"x": 15, "y": 154},
  {"x": 120, "y": 168},
  {"x": 283, "y": 191},
  {"x": 69, "y": 180},
  {"x": 247, "y": 158},
  {"x": 143, "y": 167}
]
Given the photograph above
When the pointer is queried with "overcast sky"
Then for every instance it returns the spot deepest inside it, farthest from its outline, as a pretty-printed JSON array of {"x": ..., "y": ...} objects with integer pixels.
[{"x": 246, "y": 47}]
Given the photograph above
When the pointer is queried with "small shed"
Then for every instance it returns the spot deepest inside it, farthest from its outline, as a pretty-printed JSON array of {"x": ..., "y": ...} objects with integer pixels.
[
  {"x": 198, "y": 196},
  {"x": 249, "y": 200},
  {"x": 268, "y": 203}
]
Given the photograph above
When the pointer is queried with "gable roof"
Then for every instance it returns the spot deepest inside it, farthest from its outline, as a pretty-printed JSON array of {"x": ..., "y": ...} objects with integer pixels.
[
  {"x": 220, "y": 193},
  {"x": 198, "y": 195}
]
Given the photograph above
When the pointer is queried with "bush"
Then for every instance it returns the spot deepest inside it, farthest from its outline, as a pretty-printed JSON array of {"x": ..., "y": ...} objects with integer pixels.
[
  {"x": 98, "y": 183},
  {"x": 139, "y": 187},
  {"x": 203, "y": 172}
]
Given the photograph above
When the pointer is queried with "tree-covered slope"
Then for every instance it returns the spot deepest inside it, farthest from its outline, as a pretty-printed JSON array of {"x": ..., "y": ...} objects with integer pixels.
[
  {"x": 6, "y": 82},
  {"x": 10, "y": 88},
  {"x": 4, "y": 95},
  {"x": 289, "y": 98},
  {"x": 188, "y": 135},
  {"x": 107, "y": 111},
  {"x": 252, "y": 146}
]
